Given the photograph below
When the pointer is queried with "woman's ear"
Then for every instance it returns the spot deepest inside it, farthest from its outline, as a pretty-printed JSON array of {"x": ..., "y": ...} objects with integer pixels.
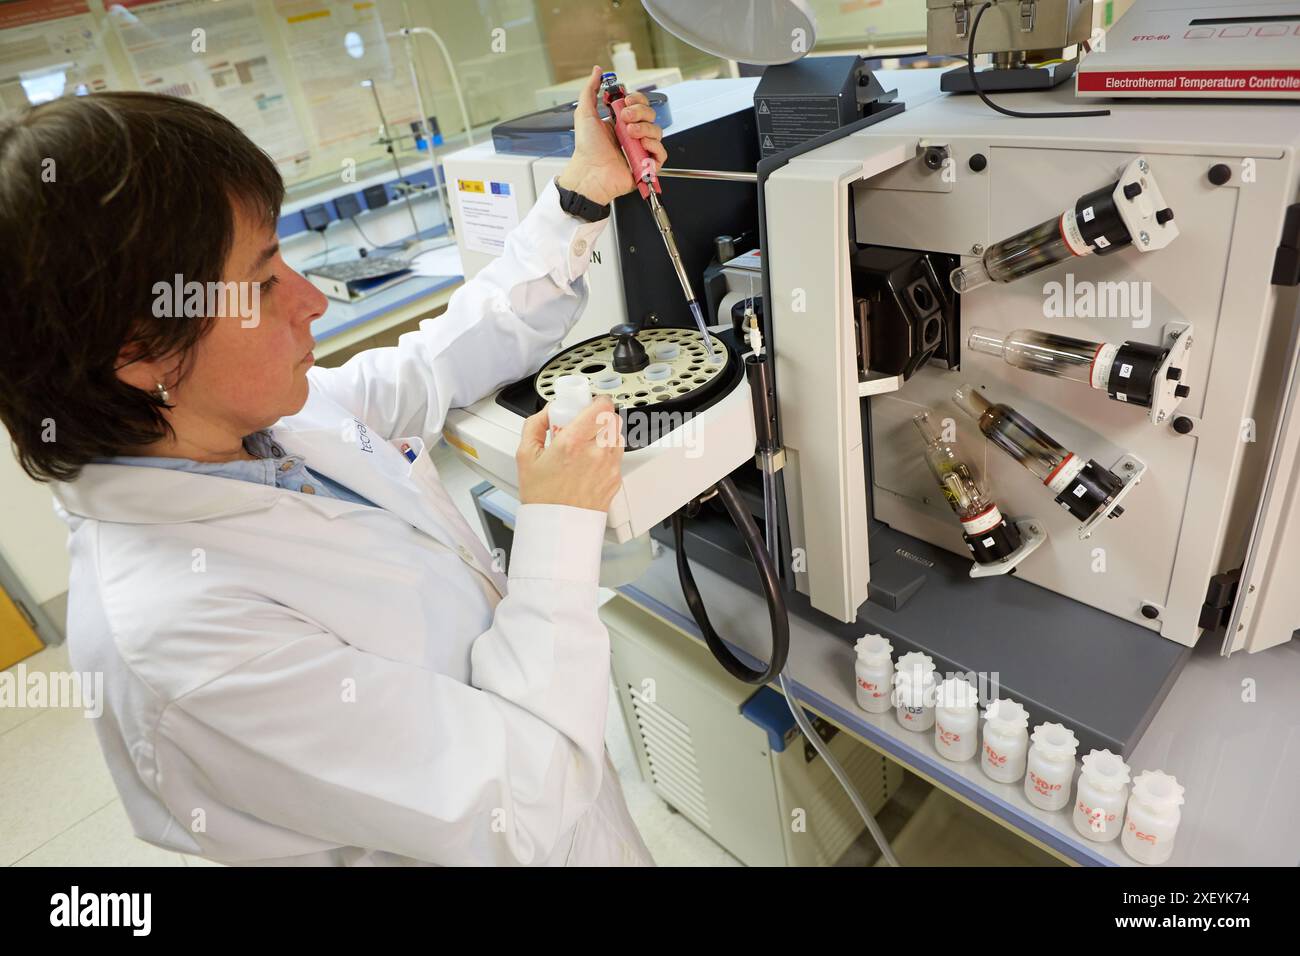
[{"x": 136, "y": 371}]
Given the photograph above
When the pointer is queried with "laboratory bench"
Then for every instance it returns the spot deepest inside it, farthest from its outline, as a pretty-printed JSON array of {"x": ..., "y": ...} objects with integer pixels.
[
  {"x": 346, "y": 324},
  {"x": 1227, "y": 728}
]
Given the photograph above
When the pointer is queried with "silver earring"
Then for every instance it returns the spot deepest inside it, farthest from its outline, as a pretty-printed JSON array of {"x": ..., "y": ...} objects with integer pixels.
[{"x": 160, "y": 390}]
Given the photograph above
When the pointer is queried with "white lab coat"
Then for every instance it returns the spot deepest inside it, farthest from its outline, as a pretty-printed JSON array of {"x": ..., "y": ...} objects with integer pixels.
[{"x": 298, "y": 679}]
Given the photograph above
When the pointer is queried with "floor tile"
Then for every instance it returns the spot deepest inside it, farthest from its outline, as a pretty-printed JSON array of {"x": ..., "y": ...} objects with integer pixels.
[
  {"x": 104, "y": 838},
  {"x": 52, "y": 777}
]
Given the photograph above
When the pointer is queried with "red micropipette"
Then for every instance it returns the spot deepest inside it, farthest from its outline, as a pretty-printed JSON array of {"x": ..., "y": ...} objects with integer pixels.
[{"x": 647, "y": 183}]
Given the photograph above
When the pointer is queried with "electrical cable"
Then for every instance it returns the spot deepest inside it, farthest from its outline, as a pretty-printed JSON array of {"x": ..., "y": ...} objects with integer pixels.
[
  {"x": 764, "y": 555},
  {"x": 805, "y": 725},
  {"x": 1019, "y": 114},
  {"x": 777, "y": 614},
  {"x": 819, "y": 745},
  {"x": 324, "y": 252},
  {"x": 374, "y": 245}
]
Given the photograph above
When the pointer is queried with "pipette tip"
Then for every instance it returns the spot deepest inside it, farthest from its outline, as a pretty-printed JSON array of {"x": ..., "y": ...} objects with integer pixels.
[{"x": 704, "y": 333}]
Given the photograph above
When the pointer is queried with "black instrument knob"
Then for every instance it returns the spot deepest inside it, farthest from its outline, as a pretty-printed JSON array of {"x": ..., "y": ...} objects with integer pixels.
[{"x": 629, "y": 354}]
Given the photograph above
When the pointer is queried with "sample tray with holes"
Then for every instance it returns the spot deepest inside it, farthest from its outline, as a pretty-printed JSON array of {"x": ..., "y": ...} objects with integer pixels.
[
  {"x": 679, "y": 365},
  {"x": 678, "y": 382}
]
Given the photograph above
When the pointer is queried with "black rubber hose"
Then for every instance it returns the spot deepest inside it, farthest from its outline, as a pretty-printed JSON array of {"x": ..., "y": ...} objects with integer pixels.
[{"x": 776, "y": 609}]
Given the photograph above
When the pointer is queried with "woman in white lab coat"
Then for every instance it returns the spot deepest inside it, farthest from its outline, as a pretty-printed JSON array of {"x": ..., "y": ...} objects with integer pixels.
[{"x": 308, "y": 656}]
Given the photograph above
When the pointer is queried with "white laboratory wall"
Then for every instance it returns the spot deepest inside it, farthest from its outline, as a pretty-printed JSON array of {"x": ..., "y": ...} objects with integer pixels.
[{"x": 33, "y": 541}]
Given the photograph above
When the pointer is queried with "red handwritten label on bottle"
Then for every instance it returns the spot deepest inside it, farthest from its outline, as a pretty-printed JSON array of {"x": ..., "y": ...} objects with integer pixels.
[
  {"x": 1148, "y": 837},
  {"x": 947, "y": 736},
  {"x": 1092, "y": 814},
  {"x": 993, "y": 756},
  {"x": 1042, "y": 786}
]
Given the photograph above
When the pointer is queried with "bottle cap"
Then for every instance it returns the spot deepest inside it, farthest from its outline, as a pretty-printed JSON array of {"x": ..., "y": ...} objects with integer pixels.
[
  {"x": 914, "y": 665},
  {"x": 956, "y": 694},
  {"x": 1007, "y": 715},
  {"x": 1055, "y": 741},
  {"x": 873, "y": 649},
  {"x": 1158, "y": 789},
  {"x": 1105, "y": 770},
  {"x": 573, "y": 389}
]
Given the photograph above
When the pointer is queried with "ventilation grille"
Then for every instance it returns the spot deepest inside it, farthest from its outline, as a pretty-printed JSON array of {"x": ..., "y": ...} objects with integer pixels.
[
  {"x": 671, "y": 755},
  {"x": 830, "y": 807},
  {"x": 832, "y": 822}
]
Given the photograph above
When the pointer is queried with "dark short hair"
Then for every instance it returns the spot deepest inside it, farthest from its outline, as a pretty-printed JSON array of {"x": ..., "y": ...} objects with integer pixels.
[{"x": 102, "y": 197}]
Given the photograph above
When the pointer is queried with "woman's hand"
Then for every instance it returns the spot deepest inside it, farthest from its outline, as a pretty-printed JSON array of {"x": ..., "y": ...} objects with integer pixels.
[
  {"x": 597, "y": 169},
  {"x": 582, "y": 465}
]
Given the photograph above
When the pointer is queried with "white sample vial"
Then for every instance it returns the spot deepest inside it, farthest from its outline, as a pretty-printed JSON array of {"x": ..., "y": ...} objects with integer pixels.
[
  {"x": 572, "y": 395},
  {"x": 914, "y": 691},
  {"x": 874, "y": 669},
  {"x": 1153, "y": 816},
  {"x": 1103, "y": 791},
  {"x": 1050, "y": 769},
  {"x": 956, "y": 719},
  {"x": 624, "y": 59},
  {"x": 1006, "y": 741}
]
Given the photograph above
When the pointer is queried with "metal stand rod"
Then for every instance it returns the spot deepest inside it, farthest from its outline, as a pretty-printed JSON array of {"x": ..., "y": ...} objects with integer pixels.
[
  {"x": 739, "y": 177},
  {"x": 388, "y": 141}
]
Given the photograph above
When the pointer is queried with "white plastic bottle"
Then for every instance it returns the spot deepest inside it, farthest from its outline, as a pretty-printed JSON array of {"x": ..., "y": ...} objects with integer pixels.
[
  {"x": 1103, "y": 791},
  {"x": 624, "y": 59},
  {"x": 620, "y": 563},
  {"x": 956, "y": 719},
  {"x": 1050, "y": 769},
  {"x": 1153, "y": 816},
  {"x": 572, "y": 395},
  {"x": 874, "y": 669},
  {"x": 914, "y": 691},
  {"x": 1006, "y": 741}
]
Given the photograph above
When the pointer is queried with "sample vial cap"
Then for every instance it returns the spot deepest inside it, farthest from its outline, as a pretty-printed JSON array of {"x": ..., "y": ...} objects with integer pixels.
[
  {"x": 1105, "y": 770},
  {"x": 1007, "y": 715},
  {"x": 1055, "y": 740},
  {"x": 1158, "y": 789},
  {"x": 914, "y": 664},
  {"x": 573, "y": 389},
  {"x": 873, "y": 649},
  {"x": 956, "y": 694}
]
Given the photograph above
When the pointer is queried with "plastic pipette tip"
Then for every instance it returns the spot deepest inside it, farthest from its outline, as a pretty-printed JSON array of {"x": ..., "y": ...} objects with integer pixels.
[{"x": 704, "y": 333}]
